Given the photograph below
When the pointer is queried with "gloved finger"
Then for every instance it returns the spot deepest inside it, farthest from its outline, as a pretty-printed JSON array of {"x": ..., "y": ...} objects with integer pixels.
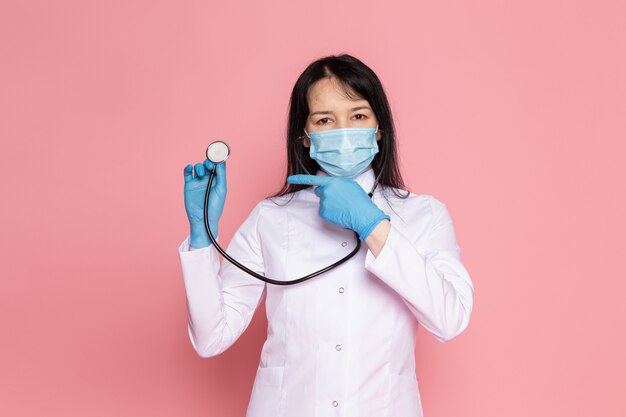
[
  {"x": 208, "y": 165},
  {"x": 220, "y": 173},
  {"x": 200, "y": 171},
  {"x": 188, "y": 172},
  {"x": 308, "y": 179},
  {"x": 319, "y": 191}
]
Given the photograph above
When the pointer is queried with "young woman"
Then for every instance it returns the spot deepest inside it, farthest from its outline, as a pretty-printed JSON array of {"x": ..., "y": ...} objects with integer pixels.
[{"x": 342, "y": 343}]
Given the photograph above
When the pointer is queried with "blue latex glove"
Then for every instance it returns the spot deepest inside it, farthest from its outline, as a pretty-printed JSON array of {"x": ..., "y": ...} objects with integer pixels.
[
  {"x": 195, "y": 188},
  {"x": 343, "y": 202}
]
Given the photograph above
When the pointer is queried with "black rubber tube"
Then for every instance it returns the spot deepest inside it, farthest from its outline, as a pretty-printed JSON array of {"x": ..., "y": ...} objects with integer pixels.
[{"x": 251, "y": 272}]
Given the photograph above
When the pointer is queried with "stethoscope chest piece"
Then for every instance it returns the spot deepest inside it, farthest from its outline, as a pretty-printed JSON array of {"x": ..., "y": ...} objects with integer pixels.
[{"x": 217, "y": 152}]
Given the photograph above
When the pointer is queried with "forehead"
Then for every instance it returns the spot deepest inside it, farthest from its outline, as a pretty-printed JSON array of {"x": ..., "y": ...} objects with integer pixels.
[{"x": 329, "y": 93}]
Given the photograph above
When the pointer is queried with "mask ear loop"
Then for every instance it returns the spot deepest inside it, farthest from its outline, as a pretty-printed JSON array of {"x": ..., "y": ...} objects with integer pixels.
[
  {"x": 301, "y": 138},
  {"x": 371, "y": 193}
]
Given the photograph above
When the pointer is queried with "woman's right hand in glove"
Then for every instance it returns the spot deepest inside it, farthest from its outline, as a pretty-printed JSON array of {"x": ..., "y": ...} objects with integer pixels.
[{"x": 196, "y": 180}]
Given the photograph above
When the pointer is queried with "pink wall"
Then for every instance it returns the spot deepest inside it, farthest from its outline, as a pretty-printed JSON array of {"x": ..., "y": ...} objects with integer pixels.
[{"x": 512, "y": 114}]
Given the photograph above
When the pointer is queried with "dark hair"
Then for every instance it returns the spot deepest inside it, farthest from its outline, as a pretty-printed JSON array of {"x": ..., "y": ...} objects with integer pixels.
[{"x": 356, "y": 78}]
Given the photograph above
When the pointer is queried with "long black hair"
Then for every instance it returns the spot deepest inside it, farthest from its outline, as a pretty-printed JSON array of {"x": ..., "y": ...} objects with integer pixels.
[{"x": 358, "y": 81}]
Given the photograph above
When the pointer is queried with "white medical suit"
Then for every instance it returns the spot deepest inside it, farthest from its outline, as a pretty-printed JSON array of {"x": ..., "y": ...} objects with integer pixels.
[{"x": 341, "y": 344}]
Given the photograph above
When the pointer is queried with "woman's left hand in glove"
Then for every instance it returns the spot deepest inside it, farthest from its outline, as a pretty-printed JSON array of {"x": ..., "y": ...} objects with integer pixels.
[{"x": 343, "y": 202}]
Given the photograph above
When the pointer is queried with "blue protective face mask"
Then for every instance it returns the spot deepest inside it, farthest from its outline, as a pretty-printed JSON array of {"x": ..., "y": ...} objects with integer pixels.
[{"x": 344, "y": 152}]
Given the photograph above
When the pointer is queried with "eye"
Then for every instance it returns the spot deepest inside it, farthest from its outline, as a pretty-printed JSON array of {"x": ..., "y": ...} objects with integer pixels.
[
  {"x": 323, "y": 121},
  {"x": 360, "y": 116}
]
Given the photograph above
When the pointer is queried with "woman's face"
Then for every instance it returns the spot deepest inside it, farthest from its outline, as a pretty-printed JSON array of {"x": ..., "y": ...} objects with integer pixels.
[{"x": 330, "y": 108}]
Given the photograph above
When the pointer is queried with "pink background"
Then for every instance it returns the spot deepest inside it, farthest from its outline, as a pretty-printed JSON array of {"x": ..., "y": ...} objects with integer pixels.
[{"x": 511, "y": 114}]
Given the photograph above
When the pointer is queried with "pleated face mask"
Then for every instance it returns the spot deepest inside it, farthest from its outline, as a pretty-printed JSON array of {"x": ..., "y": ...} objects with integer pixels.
[{"x": 344, "y": 152}]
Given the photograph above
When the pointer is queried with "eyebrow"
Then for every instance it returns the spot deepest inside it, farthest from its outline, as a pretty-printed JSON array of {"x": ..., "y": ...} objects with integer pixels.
[{"x": 351, "y": 110}]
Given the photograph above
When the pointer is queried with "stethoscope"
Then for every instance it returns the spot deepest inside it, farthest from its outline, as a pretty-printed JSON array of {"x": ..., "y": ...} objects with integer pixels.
[{"x": 217, "y": 152}]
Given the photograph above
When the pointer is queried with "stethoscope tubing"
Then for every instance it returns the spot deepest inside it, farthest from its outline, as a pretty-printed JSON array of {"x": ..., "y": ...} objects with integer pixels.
[{"x": 253, "y": 273}]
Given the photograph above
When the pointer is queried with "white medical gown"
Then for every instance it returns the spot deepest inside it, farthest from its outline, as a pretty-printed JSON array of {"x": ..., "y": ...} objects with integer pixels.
[{"x": 340, "y": 344}]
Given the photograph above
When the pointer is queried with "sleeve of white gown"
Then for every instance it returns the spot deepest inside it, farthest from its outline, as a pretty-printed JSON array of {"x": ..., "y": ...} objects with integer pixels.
[
  {"x": 430, "y": 278},
  {"x": 221, "y": 299}
]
